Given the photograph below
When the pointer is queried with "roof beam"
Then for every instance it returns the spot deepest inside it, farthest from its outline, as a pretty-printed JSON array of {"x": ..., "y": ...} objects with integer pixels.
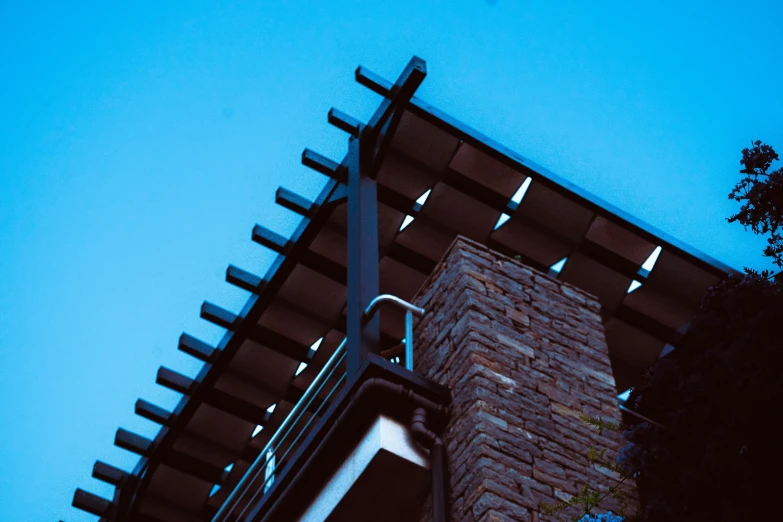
[
  {"x": 407, "y": 205},
  {"x": 176, "y": 459},
  {"x": 291, "y": 395},
  {"x": 219, "y": 399},
  {"x": 324, "y": 266},
  {"x": 294, "y": 202},
  {"x": 194, "y": 466},
  {"x": 302, "y": 238},
  {"x": 372, "y": 81},
  {"x": 613, "y": 260},
  {"x": 501, "y": 203},
  {"x": 152, "y": 412},
  {"x": 324, "y": 165},
  {"x": 395, "y": 251},
  {"x": 108, "y": 473},
  {"x": 478, "y": 191},
  {"x": 260, "y": 334},
  {"x": 280, "y": 343},
  {"x": 144, "y": 517},
  {"x": 91, "y": 503},
  {"x": 425, "y": 111},
  {"x": 174, "y": 381},
  {"x": 400, "y": 253},
  {"x": 225, "y": 401},
  {"x": 245, "y": 280},
  {"x": 344, "y": 122},
  {"x": 410, "y": 258},
  {"x": 196, "y": 348},
  {"x": 308, "y": 258},
  {"x": 387, "y": 341},
  {"x": 648, "y": 325},
  {"x": 397, "y": 201},
  {"x": 132, "y": 442},
  {"x": 162, "y": 507},
  {"x": 271, "y": 240},
  {"x": 219, "y": 316},
  {"x": 235, "y": 406},
  {"x": 490, "y": 147},
  {"x": 541, "y": 175}
]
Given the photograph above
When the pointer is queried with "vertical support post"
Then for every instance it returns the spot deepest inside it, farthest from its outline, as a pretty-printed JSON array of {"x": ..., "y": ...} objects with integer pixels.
[
  {"x": 409, "y": 340},
  {"x": 269, "y": 471},
  {"x": 363, "y": 334},
  {"x": 364, "y": 155}
]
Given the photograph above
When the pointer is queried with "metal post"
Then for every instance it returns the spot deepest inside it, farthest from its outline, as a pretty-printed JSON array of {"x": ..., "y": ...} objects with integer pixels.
[
  {"x": 363, "y": 334},
  {"x": 364, "y": 155},
  {"x": 409, "y": 340}
]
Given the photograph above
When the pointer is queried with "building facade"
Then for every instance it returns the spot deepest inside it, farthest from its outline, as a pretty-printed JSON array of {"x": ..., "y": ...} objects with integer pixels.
[{"x": 423, "y": 346}]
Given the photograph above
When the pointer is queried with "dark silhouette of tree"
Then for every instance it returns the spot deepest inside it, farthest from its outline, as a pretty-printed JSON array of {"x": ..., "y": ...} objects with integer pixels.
[
  {"x": 718, "y": 396},
  {"x": 761, "y": 195}
]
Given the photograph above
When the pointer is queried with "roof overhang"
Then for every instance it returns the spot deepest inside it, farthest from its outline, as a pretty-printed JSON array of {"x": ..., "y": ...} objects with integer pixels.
[{"x": 472, "y": 189}]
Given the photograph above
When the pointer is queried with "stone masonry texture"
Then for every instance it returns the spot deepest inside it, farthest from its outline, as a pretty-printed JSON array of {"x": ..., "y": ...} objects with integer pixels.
[{"x": 523, "y": 355}]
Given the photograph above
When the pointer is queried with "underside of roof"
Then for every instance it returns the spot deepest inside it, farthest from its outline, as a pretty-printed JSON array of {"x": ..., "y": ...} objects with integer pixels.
[{"x": 437, "y": 180}]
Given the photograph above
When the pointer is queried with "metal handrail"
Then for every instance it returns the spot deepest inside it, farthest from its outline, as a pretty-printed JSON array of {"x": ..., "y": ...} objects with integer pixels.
[
  {"x": 268, "y": 480},
  {"x": 410, "y": 309},
  {"x": 259, "y": 465}
]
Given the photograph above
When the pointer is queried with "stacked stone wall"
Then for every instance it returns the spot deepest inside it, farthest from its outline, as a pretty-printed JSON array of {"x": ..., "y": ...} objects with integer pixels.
[{"x": 523, "y": 355}]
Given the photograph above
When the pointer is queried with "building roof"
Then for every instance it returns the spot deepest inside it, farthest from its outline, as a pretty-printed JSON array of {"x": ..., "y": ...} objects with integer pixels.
[{"x": 438, "y": 179}]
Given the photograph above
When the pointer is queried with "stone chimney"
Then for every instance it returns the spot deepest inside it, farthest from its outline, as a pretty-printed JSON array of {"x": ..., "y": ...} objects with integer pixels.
[{"x": 523, "y": 355}]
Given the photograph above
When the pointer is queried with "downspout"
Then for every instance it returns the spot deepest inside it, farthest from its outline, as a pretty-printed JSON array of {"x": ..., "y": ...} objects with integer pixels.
[{"x": 438, "y": 471}]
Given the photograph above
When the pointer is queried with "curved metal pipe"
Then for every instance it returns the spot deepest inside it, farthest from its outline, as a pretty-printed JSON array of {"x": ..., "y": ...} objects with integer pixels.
[
  {"x": 410, "y": 309},
  {"x": 392, "y": 299}
]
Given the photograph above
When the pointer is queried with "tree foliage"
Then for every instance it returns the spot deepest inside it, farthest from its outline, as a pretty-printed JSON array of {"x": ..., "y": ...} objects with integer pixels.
[
  {"x": 761, "y": 193},
  {"x": 718, "y": 396}
]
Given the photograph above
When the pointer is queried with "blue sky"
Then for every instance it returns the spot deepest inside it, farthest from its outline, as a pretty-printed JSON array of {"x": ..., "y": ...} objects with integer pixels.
[{"x": 139, "y": 143}]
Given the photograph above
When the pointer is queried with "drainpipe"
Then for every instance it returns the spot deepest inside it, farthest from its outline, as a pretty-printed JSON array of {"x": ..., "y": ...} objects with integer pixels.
[
  {"x": 437, "y": 451},
  {"x": 428, "y": 439}
]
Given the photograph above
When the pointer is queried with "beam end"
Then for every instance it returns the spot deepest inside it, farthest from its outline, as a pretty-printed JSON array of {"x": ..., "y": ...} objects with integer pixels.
[
  {"x": 197, "y": 348},
  {"x": 91, "y": 503},
  {"x": 271, "y": 240},
  {"x": 108, "y": 473},
  {"x": 244, "y": 280},
  {"x": 174, "y": 381},
  {"x": 323, "y": 165},
  {"x": 132, "y": 442},
  {"x": 344, "y": 122},
  {"x": 294, "y": 202},
  {"x": 152, "y": 412}
]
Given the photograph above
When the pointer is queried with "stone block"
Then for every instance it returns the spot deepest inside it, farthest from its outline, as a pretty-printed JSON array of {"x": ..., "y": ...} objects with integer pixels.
[{"x": 524, "y": 355}]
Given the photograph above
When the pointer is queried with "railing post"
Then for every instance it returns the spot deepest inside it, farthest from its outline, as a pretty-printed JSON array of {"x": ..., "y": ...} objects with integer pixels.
[
  {"x": 408, "y": 340},
  {"x": 410, "y": 309}
]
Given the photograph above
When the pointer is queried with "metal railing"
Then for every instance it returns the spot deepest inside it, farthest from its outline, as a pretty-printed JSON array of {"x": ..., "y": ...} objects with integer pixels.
[
  {"x": 266, "y": 464},
  {"x": 409, "y": 311},
  {"x": 276, "y": 452}
]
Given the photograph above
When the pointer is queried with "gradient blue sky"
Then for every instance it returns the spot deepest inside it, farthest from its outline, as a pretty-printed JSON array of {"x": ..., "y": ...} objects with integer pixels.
[{"x": 140, "y": 142}]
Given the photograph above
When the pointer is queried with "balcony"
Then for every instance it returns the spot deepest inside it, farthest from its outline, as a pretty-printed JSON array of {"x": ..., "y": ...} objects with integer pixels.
[
  {"x": 363, "y": 446},
  {"x": 349, "y": 441}
]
